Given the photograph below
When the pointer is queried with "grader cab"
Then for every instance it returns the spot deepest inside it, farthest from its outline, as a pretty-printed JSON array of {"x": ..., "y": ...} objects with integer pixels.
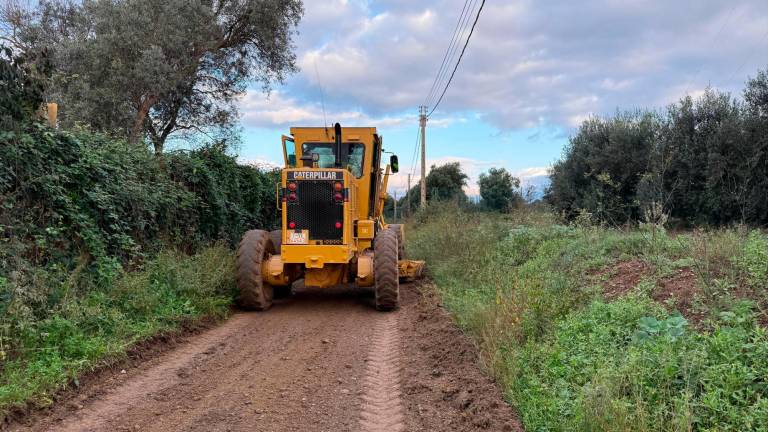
[{"x": 331, "y": 196}]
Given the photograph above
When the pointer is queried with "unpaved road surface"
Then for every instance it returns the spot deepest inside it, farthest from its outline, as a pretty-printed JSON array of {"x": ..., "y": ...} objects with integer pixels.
[{"x": 318, "y": 361}]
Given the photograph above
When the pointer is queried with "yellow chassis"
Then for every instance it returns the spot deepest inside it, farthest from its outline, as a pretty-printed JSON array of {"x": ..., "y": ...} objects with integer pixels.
[{"x": 325, "y": 265}]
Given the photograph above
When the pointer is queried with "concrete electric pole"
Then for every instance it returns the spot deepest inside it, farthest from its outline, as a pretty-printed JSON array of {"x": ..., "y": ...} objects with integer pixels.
[
  {"x": 423, "y": 124},
  {"x": 408, "y": 198}
]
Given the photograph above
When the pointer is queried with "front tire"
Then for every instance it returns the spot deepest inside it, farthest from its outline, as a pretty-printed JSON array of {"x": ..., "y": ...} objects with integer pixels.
[
  {"x": 385, "y": 271},
  {"x": 254, "y": 293}
]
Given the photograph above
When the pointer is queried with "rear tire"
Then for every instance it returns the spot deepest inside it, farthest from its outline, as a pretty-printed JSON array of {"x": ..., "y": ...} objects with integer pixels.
[
  {"x": 385, "y": 271},
  {"x": 254, "y": 293},
  {"x": 277, "y": 239},
  {"x": 400, "y": 242}
]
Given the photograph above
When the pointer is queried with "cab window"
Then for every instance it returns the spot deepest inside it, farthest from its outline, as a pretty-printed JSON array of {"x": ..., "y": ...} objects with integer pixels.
[
  {"x": 327, "y": 156},
  {"x": 290, "y": 155}
]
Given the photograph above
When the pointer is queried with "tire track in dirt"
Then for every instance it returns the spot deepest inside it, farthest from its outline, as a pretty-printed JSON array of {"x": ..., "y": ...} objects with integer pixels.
[
  {"x": 166, "y": 374},
  {"x": 320, "y": 361},
  {"x": 382, "y": 409}
]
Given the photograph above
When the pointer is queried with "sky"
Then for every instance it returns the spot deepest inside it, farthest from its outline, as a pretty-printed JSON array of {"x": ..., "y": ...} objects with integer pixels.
[{"x": 533, "y": 71}]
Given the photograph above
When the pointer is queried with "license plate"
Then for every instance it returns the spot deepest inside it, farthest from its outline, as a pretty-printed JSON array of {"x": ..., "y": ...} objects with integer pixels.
[{"x": 298, "y": 237}]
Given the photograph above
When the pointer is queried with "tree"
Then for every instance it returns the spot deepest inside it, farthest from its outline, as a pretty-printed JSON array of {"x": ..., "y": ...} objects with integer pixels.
[
  {"x": 498, "y": 189},
  {"x": 602, "y": 165},
  {"x": 446, "y": 182},
  {"x": 152, "y": 69},
  {"x": 21, "y": 87},
  {"x": 703, "y": 160},
  {"x": 756, "y": 129}
]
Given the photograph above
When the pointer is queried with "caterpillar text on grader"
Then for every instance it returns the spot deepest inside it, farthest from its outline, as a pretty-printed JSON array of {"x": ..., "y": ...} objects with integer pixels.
[{"x": 331, "y": 194}]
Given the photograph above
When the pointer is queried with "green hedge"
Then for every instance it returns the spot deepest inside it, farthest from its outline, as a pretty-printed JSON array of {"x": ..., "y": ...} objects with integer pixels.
[{"x": 79, "y": 208}]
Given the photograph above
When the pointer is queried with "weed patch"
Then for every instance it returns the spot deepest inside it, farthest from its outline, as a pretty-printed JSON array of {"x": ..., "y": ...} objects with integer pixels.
[
  {"x": 42, "y": 356},
  {"x": 571, "y": 358}
]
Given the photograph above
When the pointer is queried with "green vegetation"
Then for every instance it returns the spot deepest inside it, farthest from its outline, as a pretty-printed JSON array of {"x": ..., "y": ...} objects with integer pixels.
[
  {"x": 111, "y": 313},
  {"x": 21, "y": 86},
  {"x": 90, "y": 227},
  {"x": 702, "y": 161},
  {"x": 181, "y": 66},
  {"x": 499, "y": 190},
  {"x": 106, "y": 239},
  {"x": 444, "y": 182},
  {"x": 572, "y": 357}
]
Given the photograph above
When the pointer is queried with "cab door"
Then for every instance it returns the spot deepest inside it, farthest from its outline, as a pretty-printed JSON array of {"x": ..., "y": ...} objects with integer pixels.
[{"x": 289, "y": 152}]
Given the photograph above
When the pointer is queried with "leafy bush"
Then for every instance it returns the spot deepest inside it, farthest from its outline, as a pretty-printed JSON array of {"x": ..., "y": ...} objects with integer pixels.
[
  {"x": 754, "y": 261},
  {"x": 115, "y": 312},
  {"x": 84, "y": 203},
  {"x": 83, "y": 218},
  {"x": 702, "y": 161},
  {"x": 21, "y": 87},
  {"x": 531, "y": 297},
  {"x": 232, "y": 198}
]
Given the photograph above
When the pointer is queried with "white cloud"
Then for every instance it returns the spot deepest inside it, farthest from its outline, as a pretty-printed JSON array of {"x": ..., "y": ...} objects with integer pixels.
[
  {"x": 532, "y": 172},
  {"x": 529, "y": 60},
  {"x": 279, "y": 110},
  {"x": 260, "y": 162}
]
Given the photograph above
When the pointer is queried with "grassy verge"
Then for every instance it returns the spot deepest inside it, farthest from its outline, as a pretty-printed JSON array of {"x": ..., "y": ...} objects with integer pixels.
[
  {"x": 104, "y": 314},
  {"x": 668, "y": 352}
]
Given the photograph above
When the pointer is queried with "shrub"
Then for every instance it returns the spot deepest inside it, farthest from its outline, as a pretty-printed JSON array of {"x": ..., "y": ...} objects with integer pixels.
[
  {"x": 112, "y": 315},
  {"x": 568, "y": 360},
  {"x": 754, "y": 260}
]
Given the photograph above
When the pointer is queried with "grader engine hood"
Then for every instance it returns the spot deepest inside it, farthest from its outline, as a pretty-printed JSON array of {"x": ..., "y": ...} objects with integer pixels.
[{"x": 314, "y": 204}]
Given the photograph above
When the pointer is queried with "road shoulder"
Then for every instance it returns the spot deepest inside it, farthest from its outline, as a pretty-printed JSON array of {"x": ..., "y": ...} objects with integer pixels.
[{"x": 444, "y": 387}]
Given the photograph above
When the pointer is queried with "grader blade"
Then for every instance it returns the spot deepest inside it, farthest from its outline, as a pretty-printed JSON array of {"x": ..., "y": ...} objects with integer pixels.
[{"x": 410, "y": 269}]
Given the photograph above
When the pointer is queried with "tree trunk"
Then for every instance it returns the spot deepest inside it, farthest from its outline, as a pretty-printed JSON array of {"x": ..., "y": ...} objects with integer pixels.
[{"x": 141, "y": 116}]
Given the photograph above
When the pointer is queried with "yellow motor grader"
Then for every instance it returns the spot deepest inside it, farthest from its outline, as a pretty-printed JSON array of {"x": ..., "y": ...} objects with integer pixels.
[{"x": 331, "y": 195}]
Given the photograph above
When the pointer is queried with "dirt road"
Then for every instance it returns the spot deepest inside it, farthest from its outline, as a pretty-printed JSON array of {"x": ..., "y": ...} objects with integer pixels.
[{"x": 318, "y": 361}]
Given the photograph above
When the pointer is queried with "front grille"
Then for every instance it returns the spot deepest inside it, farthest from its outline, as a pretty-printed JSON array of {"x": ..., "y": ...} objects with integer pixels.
[{"x": 315, "y": 210}]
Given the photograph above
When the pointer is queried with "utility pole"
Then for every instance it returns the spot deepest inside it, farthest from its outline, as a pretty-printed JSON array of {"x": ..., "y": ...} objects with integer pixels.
[
  {"x": 408, "y": 197},
  {"x": 395, "y": 215},
  {"x": 423, "y": 124}
]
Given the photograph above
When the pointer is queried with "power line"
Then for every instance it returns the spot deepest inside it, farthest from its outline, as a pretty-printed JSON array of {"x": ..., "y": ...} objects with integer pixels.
[
  {"x": 415, "y": 152},
  {"x": 748, "y": 58},
  {"x": 464, "y": 26},
  {"x": 322, "y": 96},
  {"x": 714, "y": 43},
  {"x": 459, "y": 60},
  {"x": 445, "y": 56}
]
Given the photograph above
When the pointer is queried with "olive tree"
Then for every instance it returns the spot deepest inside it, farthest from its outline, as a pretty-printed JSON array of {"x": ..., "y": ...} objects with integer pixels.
[
  {"x": 498, "y": 189},
  {"x": 148, "y": 69},
  {"x": 446, "y": 182}
]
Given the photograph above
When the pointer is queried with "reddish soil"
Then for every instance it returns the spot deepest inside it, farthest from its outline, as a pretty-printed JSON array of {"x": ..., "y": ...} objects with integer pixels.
[
  {"x": 676, "y": 292},
  {"x": 624, "y": 277},
  {"x": 318, "y": 361},
  {"x": 447, "y": 391},
  {"x": 679, "y": 292}
]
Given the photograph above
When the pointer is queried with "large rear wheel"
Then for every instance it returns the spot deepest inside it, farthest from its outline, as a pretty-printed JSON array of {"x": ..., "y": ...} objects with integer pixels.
[
  {"x": 397, "y": 228},
  {"x": 385, "y": 271},
  {"x": 277, "y": 239},
  {"x": 254, "y": 293}
]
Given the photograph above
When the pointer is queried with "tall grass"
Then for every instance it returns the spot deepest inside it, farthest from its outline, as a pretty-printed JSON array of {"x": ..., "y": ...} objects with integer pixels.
[
  {"x": 529, "y": 290},
  {"x": 114, "y": 311}
]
